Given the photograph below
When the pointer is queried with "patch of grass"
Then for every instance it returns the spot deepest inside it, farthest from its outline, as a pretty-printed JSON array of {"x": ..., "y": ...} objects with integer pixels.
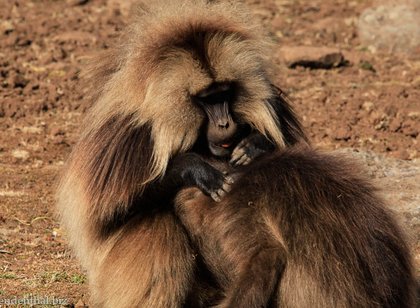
[
  {"x": 78, "y": 279},
  {"x": 8, "y": 276},
  {"x": 51, "y": 277},
  {"x": 365, "y": 65},
  {"x": 362, "y": 48}
]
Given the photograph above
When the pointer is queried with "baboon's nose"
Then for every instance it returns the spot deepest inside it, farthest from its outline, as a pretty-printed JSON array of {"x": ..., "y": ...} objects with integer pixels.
[{"x": 223, "y": 124}]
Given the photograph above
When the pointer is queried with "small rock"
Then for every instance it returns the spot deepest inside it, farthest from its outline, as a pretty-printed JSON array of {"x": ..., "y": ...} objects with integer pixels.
[
  {"x": 125, "y": 8},
  {"x": 10, "y": 108},
  {"x": 57, "y": 131},
  {"x": 23, "y": 41},
  {"x": 59, "y": 140},
  {"x": 410, "y": 128},
  {"x": 414, "y": 115},
  {"x": 368, "y": 106},
  {"x": 19, "y": 81},
  {"x": 381, "y": 123},
  {"x": 76, "y": 2},
  {"x": 75, "y": 36},
  {"x": 80, "y": 304},
  {"x": 312, "y": 57},
  {"x": 395, "y": 125},
  {"x": 32, "y": 130},
  {"x": 342, "y": 133},
  {"x": 20, "y": 154},
  {"x": 328, "y": 24},
  {"x": 6, "y": 27}
]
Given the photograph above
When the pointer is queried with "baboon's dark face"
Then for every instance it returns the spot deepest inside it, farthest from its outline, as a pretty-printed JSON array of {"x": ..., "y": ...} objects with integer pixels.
[{"x": 222, "y": 128}]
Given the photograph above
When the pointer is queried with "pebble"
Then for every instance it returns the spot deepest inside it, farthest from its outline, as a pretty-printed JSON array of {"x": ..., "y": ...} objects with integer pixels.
[
  {"x": 22, "y": 155},
  {"x": 312, "y": 57}
]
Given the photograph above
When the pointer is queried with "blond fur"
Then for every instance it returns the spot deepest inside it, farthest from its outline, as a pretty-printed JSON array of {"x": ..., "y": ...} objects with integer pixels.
[
  {"x": 159, "y": 76},
  {"x": 141, "y": 116}
]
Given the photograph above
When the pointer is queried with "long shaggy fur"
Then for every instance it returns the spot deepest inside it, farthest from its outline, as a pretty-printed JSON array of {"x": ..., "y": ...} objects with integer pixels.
[
  {"x": 301, "y": 229},
  {"x": 135, "y": 250}
]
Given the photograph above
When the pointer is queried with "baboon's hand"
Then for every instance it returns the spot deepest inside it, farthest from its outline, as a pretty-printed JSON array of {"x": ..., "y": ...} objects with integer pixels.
[
  {"x": 211, "y": 181},
  {"x": 189, "y": 169},
  {"x": 245, "y": 152},
  {"x": 221, "y": 192}
]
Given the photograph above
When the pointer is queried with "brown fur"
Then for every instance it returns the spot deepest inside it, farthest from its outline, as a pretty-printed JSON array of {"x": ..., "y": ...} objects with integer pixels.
[
  {"x": 301, "y": 229},
  {"x": 135, "y": 251}
]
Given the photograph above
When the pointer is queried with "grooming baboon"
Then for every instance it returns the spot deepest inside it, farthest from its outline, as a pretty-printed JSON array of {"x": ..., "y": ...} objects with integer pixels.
[
  {"x": 189, "y": 80},
  {"x": 300, "y": 229}
]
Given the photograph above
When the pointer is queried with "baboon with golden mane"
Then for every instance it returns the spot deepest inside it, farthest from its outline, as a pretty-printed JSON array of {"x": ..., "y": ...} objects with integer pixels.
[
  {"x": 186, "y": 92},
  {"x": 188, "y": 80}
]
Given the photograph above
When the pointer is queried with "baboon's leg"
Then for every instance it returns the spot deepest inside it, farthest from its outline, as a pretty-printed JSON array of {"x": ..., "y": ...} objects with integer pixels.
[{"x": 150, "y": 264}]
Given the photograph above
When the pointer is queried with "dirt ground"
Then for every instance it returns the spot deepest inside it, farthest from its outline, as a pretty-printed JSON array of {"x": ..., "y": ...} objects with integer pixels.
[{"x": 371, "y": 105}]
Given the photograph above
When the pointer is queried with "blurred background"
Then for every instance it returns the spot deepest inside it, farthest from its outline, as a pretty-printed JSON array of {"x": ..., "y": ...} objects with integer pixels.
[{"x": 351, "y": 68}]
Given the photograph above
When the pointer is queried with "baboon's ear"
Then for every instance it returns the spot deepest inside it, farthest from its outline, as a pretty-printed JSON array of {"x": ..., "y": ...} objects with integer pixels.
[{"x": 290, "y": 125}]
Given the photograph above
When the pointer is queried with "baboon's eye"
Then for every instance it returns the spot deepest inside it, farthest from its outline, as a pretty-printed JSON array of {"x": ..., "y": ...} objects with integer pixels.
[
  {"x": 216, "y": 94},
  {"x": 216, "y": 98}
]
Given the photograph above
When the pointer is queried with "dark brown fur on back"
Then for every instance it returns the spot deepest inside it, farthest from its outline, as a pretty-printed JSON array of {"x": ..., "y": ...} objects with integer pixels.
[{"x": 301, "y": 229}]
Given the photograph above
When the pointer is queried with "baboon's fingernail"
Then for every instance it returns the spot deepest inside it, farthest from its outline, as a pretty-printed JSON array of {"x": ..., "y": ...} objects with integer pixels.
[
  {"x": 230, "y": 180},
  {"x": 227, "y": 187},
  {"x": 215, "y": 197}
]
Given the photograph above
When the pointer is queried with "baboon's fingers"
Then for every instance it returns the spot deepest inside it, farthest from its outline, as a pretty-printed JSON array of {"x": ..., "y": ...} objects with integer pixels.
[
  {"x": 227, "y": 187},
  {"x": 229, "y": 179},
  {"x": 235, "y": 159},
  {"x": 215, "y": 196},
  {"x": 238, "y": 152},
  {"x": 247, "y": 161},
  {"x": 221, "y": 192},
  {"x": 242, "y": 160}
]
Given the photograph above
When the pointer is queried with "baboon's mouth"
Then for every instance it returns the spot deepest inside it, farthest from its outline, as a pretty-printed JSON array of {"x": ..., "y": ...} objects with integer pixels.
[
  {"x": 221, "y": 149},
  {"x": 224, "y": 145}
]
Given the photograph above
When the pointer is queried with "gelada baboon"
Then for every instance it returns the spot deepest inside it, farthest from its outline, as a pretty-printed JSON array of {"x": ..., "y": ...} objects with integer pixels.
[
  {"x": 300, "y": 229},
  {"x": 189, "y": 80}
]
